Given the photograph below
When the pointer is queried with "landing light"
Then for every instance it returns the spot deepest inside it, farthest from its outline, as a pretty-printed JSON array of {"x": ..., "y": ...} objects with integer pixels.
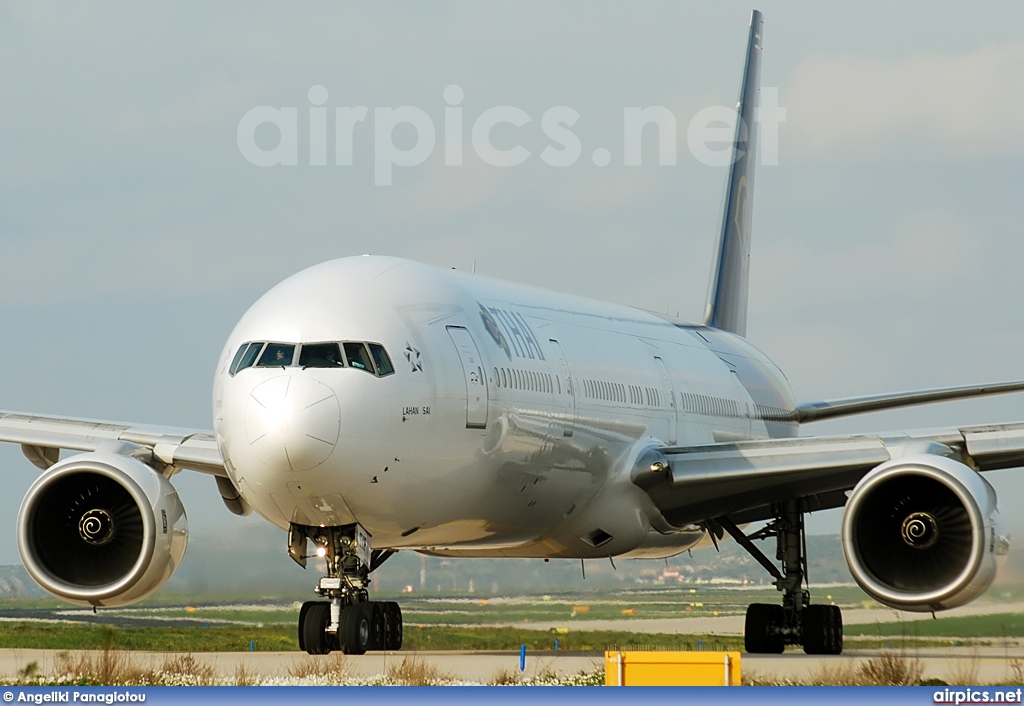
[{"x": 321, "y": 552}]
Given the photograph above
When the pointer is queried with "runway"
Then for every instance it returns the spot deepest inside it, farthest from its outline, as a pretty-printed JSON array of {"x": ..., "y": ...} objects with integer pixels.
[
  {"x": 986, "y": 665},
  {"x": 720, "y": 625},
  {"x": 989, "y": 664},
  {"x": 733, "y": 624}
]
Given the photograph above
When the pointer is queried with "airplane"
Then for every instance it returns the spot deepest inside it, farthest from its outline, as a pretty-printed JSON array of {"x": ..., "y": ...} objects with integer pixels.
[{"x": 370, "y": 405}]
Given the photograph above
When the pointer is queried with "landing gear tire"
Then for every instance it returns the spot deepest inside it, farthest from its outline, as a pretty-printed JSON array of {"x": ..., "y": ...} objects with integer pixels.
[
  {"x": 762, "y": 629},
  {"x": 314, "y": 618},
  {"x": 392, "y": 617},
  {"x": 769, "y": 628},
  {"x": 377, "y": 626},
  {"x": 356, "y": 628},
  {"x": 823, "y": 630}
]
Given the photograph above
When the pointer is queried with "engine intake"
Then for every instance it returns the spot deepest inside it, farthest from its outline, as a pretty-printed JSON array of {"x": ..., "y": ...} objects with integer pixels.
[
  {"x": 920, "y": 533},
  {"x": 101, "y": 529}
]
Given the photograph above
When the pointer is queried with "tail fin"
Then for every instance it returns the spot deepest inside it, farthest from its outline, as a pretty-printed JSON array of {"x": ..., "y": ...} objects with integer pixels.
[{"x": 726, "y": 307}]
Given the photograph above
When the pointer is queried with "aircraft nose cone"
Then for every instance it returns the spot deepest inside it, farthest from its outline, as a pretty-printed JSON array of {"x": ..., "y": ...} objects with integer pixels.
[{"x": 292, "y": 422}]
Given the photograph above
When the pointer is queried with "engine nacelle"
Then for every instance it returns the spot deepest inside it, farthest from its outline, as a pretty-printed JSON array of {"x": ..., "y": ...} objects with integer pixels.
[
  {"x": 101, "y": 529},
  {"x": 920, "y": 533}
]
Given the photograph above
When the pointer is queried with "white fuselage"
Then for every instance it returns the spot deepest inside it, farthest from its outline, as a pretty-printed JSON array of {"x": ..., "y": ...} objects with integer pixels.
[{"x": 509, "y": 427}]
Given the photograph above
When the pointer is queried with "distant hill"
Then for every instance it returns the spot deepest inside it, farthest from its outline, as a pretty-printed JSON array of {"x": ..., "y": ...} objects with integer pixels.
[
  {"x": 16, "y": 583},
  {"x": 250, "y": 560}
]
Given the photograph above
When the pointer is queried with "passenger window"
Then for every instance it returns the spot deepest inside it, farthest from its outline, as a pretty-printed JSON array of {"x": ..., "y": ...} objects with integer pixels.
[
  {"x": 380, "y": 357},
  {"x": 358, "y": 357},
  {"x": 251, "y": 353},
  {"x": 276, "y": 355},
  {"x": 321, "y": 355}
]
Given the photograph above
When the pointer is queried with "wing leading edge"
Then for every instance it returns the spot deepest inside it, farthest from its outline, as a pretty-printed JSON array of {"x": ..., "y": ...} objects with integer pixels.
[
  {"x": 742, "y": 480},
  {"x": 42, "y": 437},
  {"x": 821, "y": 410}
]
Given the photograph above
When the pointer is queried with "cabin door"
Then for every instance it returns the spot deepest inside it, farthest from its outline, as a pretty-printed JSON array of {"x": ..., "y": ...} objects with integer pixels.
[
  {"x": 670, "y": 390},
  {"x": 564, "y": 388},
  {"x": 473, "y": 373}
]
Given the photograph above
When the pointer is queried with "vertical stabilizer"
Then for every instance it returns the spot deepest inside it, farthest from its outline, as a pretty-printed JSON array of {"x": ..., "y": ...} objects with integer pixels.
[{"x": 726, "y": 307}]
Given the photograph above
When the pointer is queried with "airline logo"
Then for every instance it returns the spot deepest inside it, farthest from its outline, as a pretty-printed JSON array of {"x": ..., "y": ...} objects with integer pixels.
[
  {"x": 510, "y": 332},
  {"x": 413, "y": 356}
]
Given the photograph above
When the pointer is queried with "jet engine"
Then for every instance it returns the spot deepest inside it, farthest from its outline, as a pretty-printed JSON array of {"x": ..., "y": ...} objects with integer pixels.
[
  {"x": 920, "y": 533},
  {"x": 101, "y": 529}
]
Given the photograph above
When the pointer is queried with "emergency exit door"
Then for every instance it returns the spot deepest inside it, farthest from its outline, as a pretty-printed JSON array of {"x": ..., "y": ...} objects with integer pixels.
[{"x": 473, "y": 372}]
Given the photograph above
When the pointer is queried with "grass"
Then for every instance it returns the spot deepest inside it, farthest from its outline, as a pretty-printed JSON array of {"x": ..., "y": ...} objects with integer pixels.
[
  {"x": 887, "y": 668},
  {"x": 111, "y": 664},
  {"x": 505, "y": 676},
  {"x": 79, "y": 636},
  {"x": 503, "y": 639},
  {"x": 282, "y": 638},
  {"x": 330, "y": 668},
  {"x": 465, "y": 611},
  {"x": 478, "y": 608},
  {"x": 441, "y": 614},
  {"x": 113, "y": 667},
  {"x": 244, "y": 676},
  {"x": 414, "y": 671},
  {"x": 993, "y": 625}
]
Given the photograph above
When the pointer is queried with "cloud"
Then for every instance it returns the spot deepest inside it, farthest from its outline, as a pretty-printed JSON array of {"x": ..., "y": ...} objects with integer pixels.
[
  {"x": 212, "y": 102},
  {"x": 452, "y": 190},
  {"x": 919, "y": 254},
  {"x": 961, "y": 106},
  {"x": 899, "y": 308}
]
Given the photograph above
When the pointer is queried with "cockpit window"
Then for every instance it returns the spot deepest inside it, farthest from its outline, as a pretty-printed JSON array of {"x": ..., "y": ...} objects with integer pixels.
[
  {"x": 321, "y": 355},
  {"x": 380, "y": 357},
  {"x": 371, "y": 357},
  {"x": 358, "y": 357},
  {"x": 276, "y": 354},
  {"x": 238, "y": 358},
  {"x": 249, "y": 357}
]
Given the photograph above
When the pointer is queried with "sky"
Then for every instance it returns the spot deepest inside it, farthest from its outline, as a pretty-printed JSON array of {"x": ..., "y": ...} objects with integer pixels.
[{"x": 135, "y": 230}]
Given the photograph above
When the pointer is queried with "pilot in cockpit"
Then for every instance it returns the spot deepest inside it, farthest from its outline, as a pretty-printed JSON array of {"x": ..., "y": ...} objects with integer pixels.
[
  {"x": 321, "y": 355},
  {"x": 331, "y": 357}
]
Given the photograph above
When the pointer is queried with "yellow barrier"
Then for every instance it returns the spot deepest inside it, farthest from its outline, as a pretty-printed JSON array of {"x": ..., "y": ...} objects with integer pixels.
[{"x": 672, "y": 669}]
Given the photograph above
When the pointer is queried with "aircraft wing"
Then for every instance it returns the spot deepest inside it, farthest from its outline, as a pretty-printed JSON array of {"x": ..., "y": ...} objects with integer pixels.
[
  {"x": 741, "y": 480},
  {"x": 42, "y": 438},
  {"x": 817, "y": 411}
]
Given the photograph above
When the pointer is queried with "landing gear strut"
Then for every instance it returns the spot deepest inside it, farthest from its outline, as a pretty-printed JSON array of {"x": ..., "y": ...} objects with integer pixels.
[
  {"x": 769, "y": 628},
  {"x": 347, "y": 620}
]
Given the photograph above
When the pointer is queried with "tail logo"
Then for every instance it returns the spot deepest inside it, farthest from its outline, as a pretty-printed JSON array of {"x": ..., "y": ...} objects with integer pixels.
[{"x": 741, "y": 213}]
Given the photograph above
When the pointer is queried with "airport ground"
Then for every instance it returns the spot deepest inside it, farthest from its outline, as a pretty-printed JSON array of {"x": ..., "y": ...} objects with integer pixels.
[
  {"x": 953, "y": 665},
  {"x": 989, "y": 665},
  {"x": 991, "y": 660}
]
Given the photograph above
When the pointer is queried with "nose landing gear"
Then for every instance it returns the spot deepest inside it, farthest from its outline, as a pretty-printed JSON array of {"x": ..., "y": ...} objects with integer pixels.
[{"x": 348, "y": 620}]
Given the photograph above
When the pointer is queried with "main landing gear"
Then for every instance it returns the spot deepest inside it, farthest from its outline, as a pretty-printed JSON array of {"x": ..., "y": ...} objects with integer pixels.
[
  {"x": 347, "y": 620},
  {"x": 769, "y": 628}
]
